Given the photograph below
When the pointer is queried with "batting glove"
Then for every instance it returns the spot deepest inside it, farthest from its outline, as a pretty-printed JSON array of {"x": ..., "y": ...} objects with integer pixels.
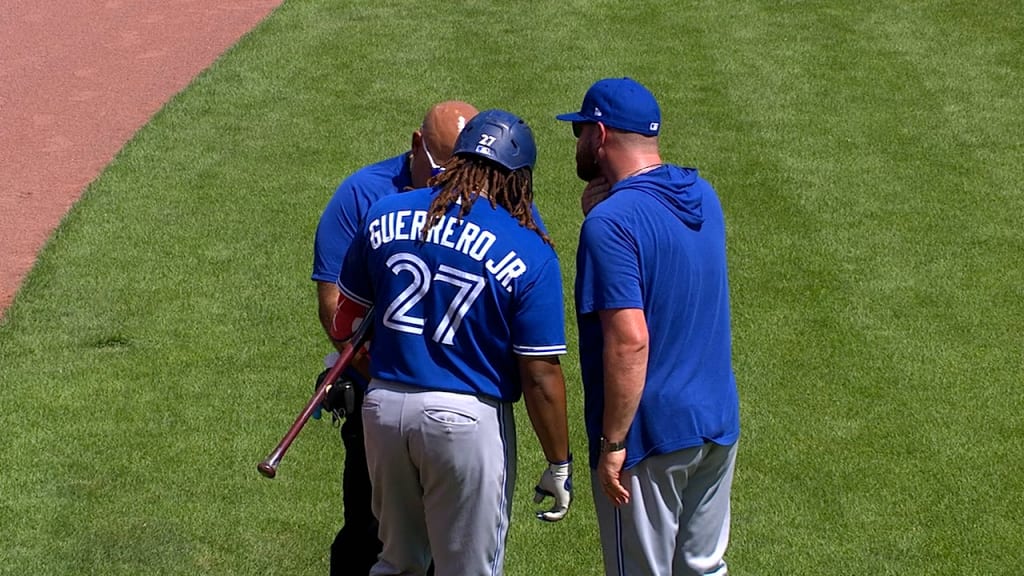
[
  {"x": 555, "y": 482},
  {"x": 329, "y": 361},
  {"x": 341, "y": 398}
]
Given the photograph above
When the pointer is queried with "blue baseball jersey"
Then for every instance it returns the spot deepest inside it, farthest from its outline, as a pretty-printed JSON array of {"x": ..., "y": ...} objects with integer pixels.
[
  {"x": 347, "y": 209},
  {"x": 454, "y": 310},
  {"x": 657, "y": 243}
]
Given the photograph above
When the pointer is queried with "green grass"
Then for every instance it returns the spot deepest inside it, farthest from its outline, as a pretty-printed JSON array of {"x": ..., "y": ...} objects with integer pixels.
[{"x": 867, "y": 155}]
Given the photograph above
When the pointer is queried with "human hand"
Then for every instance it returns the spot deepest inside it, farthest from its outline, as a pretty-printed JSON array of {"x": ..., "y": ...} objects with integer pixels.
[
  {"x": 610, "y": 474},
  {"x": 341, "y": 398},
  {"x": 556, "y": 482},
  {"x": 594, "y": 193},
  {"x": 329, "y": 361}
]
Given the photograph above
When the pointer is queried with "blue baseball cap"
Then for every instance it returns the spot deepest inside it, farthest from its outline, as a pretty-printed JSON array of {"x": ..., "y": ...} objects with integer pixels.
[{"x": 621, "y": 103}]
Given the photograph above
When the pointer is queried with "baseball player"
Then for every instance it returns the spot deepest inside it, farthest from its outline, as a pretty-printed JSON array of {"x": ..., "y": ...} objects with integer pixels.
[
  {"x": 356, "y": 546},
  {"x": 652, "y": 304},
  {"x": 468, "y": 317}
]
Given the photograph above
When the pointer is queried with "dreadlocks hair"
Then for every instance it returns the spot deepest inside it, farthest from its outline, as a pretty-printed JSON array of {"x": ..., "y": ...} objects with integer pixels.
[{"x": 465, "y": 178}]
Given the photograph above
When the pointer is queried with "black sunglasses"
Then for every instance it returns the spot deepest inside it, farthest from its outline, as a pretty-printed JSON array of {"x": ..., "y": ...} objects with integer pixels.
[{"x": 577, "y": 128}]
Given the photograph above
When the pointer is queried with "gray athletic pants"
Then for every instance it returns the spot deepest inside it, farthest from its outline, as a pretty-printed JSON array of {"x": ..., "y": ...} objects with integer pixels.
[
  {"x": 443, "y": 467},
  {"x": 677, "y": 519}
]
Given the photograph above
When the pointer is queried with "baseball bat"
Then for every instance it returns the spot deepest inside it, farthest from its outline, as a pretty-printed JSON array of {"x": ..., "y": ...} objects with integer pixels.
[{"x": 268, "y": 467}]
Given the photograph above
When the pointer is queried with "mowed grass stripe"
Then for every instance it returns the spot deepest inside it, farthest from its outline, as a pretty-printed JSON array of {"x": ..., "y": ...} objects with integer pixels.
[{"x": 856, "y": 171}]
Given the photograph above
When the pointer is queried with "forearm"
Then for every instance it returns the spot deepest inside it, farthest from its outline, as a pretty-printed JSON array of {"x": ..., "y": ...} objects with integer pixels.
[
  {"x": 625, "y": 370},
  {"x": 327, "y": 296},
  {"x": 544, "y": 396}
]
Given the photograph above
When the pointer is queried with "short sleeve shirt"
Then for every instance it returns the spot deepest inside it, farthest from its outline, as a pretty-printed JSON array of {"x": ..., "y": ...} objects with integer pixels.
[{"x": 455, "y": 309}]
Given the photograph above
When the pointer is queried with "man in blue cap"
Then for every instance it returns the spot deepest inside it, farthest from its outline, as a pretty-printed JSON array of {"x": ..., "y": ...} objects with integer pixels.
[{"x": 652, "y": 305}]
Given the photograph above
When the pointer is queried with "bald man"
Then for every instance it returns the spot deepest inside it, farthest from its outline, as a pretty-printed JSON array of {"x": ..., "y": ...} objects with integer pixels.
[{"x": 356, "y": 546}]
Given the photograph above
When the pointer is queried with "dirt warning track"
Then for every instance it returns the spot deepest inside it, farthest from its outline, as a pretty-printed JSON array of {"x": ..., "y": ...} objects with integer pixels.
[{"x": 77, "y": 79}]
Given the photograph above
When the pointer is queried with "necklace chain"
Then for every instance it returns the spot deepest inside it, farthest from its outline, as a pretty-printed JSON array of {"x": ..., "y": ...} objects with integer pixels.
[{"x": 643, "y": 170}]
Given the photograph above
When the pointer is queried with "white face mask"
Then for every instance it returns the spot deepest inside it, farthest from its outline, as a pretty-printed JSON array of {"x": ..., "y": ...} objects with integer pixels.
[{"x": 435, "y": 168}]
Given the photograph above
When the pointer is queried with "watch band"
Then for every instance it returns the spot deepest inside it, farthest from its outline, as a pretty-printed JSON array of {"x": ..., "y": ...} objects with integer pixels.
[{"x": 607, "y": 446}]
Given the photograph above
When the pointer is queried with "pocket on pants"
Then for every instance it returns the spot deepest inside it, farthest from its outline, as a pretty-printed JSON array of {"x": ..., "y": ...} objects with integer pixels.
[
  {"x": 450, "y": 416},
  {"x": 371, "y": 403}
]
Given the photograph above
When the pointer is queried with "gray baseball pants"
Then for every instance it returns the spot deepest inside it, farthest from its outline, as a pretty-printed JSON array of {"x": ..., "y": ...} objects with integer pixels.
[
  {"x": 443, "y": 468},
  {"x": 677, "y": 519}
]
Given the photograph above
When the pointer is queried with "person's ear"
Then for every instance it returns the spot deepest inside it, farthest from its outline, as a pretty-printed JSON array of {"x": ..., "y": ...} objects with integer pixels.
[{"x": 601, "y": 142}]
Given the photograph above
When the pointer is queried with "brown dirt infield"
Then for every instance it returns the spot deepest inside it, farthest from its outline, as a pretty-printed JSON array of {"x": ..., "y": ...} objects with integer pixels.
[{"x": 77, "y": 79}]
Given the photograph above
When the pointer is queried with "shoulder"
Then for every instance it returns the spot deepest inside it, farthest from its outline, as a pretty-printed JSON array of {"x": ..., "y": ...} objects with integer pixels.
[
  {"x": 403, "y": 200},
  {"x": 501, "y": 219},
  {"x": 534, "y": 247},
  {"x": 614, "y": 214},
  {"x": 538, "y": 254},
  {"x": 375, "y": 181},
  {"x": 624, "y": 201},
  {"x": 387, "y": 169}
]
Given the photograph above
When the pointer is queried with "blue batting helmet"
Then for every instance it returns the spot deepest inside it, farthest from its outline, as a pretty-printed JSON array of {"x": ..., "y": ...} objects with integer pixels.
[{"x": 499, "y": 136}]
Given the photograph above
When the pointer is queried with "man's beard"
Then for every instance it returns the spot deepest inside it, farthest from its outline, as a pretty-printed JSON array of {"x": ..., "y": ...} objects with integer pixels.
[{"x": 587, "y": 167}]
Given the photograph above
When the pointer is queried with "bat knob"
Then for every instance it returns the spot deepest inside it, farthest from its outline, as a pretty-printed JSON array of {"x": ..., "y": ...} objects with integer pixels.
[{"x": 267, "y": 470}]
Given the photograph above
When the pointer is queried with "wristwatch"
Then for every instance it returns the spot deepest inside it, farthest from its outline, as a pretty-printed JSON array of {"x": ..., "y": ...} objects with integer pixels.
[{"x": 607, "y": 446}]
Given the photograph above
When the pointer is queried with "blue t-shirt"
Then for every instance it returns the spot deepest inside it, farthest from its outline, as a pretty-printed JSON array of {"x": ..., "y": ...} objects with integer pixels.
[
  {"x": 347, "y": 209},
  {"x": 453, "y": 312},
  {"x": 657, "y": 243}
]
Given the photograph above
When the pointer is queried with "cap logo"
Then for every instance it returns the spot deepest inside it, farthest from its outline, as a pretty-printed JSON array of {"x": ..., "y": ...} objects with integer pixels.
[
  {"x": 654, "y": 126},
  {"x": 597, "y": 112},
  {"x": 481, "y": 149}
]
